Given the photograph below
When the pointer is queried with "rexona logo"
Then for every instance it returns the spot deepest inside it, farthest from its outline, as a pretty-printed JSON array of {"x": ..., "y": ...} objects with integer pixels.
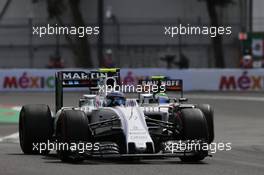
[
  {"x": 243, "y": 82},
  {"x": 26, "y": 81}
]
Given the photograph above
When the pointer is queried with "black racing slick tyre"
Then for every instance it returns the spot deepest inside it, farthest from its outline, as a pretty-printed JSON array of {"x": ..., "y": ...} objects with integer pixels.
[
  {"x": 209, "y": 115},
  {"x": 35, "y": 127},
  {"x": 72, "y": 128},
  {"x": 194, "y": 128}
]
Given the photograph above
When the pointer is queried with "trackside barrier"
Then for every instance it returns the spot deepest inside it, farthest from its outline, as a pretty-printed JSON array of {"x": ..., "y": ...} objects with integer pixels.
[{"x": 194, "y": 79}]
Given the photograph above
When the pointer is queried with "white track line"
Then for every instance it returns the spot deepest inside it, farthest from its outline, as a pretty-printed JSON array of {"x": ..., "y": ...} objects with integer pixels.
[
  {"x": 16, "y": 108},
  {"x": 237, "y": 98},
  {"x": 13, "y": 138}
]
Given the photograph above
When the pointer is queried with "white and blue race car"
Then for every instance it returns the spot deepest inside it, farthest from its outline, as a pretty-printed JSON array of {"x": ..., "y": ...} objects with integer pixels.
[{"x": 116, "y": 126}]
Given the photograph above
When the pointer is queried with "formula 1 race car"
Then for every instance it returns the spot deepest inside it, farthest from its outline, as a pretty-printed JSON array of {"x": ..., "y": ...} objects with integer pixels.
[
  {"x": 114, "y": 126},
  {"x": 159, "y": 101}
]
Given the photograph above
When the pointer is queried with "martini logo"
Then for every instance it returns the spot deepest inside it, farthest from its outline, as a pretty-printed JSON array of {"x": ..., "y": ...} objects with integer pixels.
[
  {"x": 83, "y": 75},
  {"x": 75, "y": 75},
  {"x": 97, "y": 75}
]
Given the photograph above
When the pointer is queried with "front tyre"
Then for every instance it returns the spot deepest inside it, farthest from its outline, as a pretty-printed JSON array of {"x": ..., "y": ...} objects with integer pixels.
[
  {"x": 194, "y": 128},
  {"x": 209, "y": 115},
  {"x": 72, "y": 128}
]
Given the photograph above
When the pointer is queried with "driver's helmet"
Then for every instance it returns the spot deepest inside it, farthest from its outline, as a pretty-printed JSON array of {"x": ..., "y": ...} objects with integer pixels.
[
  {"x": 115, "y": 99},
  {"x": 162, "y": 98}
]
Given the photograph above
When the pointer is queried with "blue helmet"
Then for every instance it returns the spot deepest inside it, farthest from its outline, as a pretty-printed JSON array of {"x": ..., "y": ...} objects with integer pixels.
[
  {"x": 162, "y": 98},
  {"x": 115, "y": 99}
]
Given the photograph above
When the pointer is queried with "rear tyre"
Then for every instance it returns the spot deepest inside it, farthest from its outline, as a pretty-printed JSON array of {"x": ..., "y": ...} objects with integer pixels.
[
  {"x": 194, "y": 128},
  {"x": 35, "y": 127},
  {"x": 72, "y": 128},
  {"x": 209, "y": 115}
]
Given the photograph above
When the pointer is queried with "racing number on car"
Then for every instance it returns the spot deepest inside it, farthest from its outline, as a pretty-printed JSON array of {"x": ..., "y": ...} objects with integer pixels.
[{"x": 132, "y": 116}]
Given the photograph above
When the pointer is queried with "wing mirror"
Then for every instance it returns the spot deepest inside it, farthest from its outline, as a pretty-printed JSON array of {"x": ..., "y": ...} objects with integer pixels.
[
  {"x": 81, "y": 102},
  {"x": 183, "y": 100}
]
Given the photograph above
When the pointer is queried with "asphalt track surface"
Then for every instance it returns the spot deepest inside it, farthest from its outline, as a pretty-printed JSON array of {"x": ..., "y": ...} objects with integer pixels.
[{"x": 239, "y": 119}]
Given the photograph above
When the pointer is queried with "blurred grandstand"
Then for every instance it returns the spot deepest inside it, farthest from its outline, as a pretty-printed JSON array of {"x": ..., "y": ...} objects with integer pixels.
[{"x": 133, "y": 33}]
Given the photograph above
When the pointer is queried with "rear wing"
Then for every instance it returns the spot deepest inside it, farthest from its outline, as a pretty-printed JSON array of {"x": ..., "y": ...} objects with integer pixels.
[
  {"x": 173, "y": 85},
  {"x": 81, "y": 79}
]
